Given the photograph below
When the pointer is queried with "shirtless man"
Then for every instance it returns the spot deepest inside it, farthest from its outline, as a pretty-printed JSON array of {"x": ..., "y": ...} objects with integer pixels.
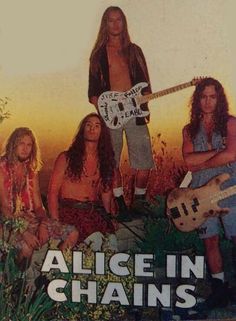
[
  {"x": 209, "y": 149},
  {"x": 20, "y": 196},
  {"x": 118, "y": 64},
  {"x": 80, "y": 187}
]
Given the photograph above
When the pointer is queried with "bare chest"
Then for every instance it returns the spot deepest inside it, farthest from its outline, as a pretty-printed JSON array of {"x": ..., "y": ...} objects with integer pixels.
[
  {"x": 87, "y": 187},
  {"x": 118, "y": 70}
]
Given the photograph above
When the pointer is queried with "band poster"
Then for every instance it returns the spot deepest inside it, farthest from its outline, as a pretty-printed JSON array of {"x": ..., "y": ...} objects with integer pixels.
[{"x": 95, "y": 230}]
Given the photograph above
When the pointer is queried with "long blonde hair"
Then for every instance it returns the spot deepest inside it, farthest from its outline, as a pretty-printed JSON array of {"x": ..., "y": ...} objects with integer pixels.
[
  {"x": 102, "y": 36},
  {"x": 12, "y": 142}
]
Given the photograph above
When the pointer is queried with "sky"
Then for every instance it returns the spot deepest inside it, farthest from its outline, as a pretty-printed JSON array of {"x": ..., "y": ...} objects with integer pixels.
[{"x": 44, "y": 60}]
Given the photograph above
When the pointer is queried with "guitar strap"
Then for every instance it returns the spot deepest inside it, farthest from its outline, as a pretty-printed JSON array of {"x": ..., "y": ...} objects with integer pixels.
[
  {"x": 187, "y": 180},
  {"x": 132, "y": 231},
  {"x": 109, "y": 217}
]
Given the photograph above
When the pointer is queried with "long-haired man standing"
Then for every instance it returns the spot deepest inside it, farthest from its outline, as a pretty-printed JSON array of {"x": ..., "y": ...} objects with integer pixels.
[
  {"x": 117, "y": 64},
  {"x": 209, "y": 149}
]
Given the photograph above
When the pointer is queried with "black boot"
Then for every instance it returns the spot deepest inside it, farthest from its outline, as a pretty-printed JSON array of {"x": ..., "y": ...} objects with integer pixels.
[
  {"x": 219, "y": 297},
  {"x": 234, "y": 260},
  {"x": 124, "y": 214},
  {"x": 141, "y": 207}
]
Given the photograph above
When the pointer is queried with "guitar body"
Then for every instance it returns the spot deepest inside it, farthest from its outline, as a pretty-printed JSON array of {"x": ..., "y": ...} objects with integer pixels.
[
  {"x": 117, "y": 108},
  {"x": 187, "y": 207}
]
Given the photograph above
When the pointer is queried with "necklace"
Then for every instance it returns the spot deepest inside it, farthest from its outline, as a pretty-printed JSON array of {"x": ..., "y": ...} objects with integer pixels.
[
  {"x": 19, "y": 183},
  {"x": 87, "y": 174},
  {"x": 115, "y": 50},
  {"x": 91, "y": 173}
]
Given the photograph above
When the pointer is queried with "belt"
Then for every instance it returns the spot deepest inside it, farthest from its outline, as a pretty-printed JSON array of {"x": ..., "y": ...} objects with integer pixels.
[{"x": 88, "y": 205}]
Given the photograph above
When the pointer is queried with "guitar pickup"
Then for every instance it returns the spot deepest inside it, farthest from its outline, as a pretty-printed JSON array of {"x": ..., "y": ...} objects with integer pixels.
[
  {"x": 174, "y": 212},
  {"x": 195, "y": 204},
  {"x": 134, "y": 102},
  {"x": 184, "y": 209},
  {"x": 121, "y": 107}
]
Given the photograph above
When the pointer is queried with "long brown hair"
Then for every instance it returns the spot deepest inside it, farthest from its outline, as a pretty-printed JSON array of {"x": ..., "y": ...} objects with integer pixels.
[
  {"x": 102, "y": 37},
  {"x": 221, "y": 114},
  {"x": 76, "y": 153},
  {"x": 34, "y": 162}
]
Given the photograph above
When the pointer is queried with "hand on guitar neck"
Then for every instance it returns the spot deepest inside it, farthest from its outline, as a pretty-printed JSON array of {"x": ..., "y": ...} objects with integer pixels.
[{"x": 117, "y": 108}]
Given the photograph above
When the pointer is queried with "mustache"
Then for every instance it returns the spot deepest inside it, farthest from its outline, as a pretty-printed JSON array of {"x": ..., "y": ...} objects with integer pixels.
[{"x": 22, "y": 159}]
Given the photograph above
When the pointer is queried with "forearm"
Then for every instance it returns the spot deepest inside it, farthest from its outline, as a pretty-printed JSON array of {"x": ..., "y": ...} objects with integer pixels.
[
  {"x": 40, "y": 212},
  {"x": 197, "y": 158},
  {"x": 107, "y": 206},
  {"x": 5, "y": 208},
  {"x": 106, "y": 200},
  {"x": 213, "y": 158},
  {"x": 55, "y": 184},
  {"x": 219, "y": 159},
  {"x": 53, "y": 206}
]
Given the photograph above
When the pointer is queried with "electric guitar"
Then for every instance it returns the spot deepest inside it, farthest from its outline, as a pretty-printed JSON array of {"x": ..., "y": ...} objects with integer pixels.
[
  {"x": 187, "y": 207},
  {"x": 117, "y": 108}
]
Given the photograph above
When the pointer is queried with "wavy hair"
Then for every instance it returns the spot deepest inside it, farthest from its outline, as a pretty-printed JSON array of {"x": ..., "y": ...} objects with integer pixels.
[
  {"x": 76, "y": 153},
  {"x": 221, "y": 113},
  {"x": 9, "y": 152}
]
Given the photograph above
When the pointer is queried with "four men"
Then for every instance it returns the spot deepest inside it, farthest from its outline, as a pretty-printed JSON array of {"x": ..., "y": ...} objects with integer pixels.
[
  {"x": 117, "y": 64},
  {"x": 85, "y": 176}
]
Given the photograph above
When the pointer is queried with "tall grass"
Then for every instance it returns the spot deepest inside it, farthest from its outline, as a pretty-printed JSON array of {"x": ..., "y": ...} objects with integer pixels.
[
  {"x": 4, "y": 114},
  {"x": 167, "y": 174},
  {"x": 17, "y": 302}
]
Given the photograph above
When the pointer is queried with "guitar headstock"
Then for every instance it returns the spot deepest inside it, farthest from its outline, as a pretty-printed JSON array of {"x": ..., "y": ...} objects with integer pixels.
[{"x": 196, "y": 80}]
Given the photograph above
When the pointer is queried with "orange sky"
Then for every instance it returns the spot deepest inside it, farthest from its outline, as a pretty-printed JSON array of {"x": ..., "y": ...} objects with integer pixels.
[{"x": 45, "y": 47}]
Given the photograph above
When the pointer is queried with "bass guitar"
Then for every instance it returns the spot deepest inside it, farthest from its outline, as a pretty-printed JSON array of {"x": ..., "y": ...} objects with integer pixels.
[
  {"x": 188, "y": 207},
  {"x": 117, "y": 108}
]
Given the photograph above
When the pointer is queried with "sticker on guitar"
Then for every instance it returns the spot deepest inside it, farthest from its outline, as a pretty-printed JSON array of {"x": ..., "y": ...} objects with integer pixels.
[
  {"x": 117, "y": 108},
  {"x": 188, "y": 208}
]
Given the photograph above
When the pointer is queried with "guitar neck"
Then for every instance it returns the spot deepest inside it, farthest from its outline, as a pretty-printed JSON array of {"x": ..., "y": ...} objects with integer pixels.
[
  {"x": 223, "y": 194},
  {"x": 147, "y": 98}
]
